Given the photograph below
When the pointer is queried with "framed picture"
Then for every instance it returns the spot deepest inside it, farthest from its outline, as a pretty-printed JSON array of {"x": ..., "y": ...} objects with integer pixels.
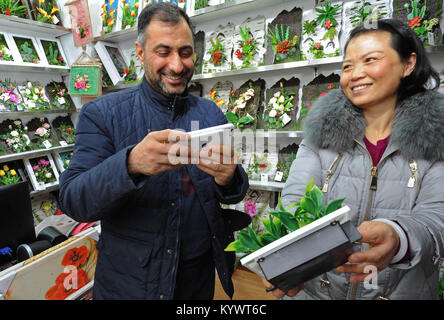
[
  {"x": 42, "y": 171},
  {"x": 30, "y": 51},
  {"x": 62, "y": 160},
  {"x": 128, "y": 13},
  {"x": 8, "y": 50},
  {"x": 45, "y": 11},
  {"x": 52, "y": 48},
  {"x": 85, "y": 80},
  {"x": 109, "y": 15},
  {"x": 81, "y": 24},
  {"x": 113, "y": 59}
]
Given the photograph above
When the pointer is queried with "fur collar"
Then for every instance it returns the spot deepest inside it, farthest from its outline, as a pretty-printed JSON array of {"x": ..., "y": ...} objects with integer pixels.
[{"x": 418, "y": 127}]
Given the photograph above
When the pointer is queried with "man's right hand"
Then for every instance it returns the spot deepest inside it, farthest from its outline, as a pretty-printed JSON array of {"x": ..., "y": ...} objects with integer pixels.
[{"x": 159, "y": 152}]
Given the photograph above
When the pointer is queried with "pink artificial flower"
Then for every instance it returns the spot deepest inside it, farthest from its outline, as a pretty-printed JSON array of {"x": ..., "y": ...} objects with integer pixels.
[
  {"x": 77, "y": 85},
  {"x": 36, "y": 168},
  {"x": 41, "y": 131},
  {"x": 82, "y": 85}
]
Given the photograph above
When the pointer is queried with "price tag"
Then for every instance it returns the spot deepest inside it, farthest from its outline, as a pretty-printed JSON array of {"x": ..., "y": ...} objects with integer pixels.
[
  {"x": 278, "y": 177},
  {"x": 63, "y": 143},
  {"x": 55, "y": 19},
  {"x": 285, "y": 118},
  {"x": 431, "y": 38},
  {"x": 47, "y": 144},
  {"x": 31, "y": 105},
  {"x": 264, "y": 178},
  {"x": 61, "y": 100}
]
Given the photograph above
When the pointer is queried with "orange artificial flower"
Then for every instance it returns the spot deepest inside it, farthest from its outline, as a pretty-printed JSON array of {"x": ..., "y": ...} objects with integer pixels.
[
  {"x": 133, "y": 13},
  {"x": 75, "y": 256},
  {"x": 59, "y": 292}
]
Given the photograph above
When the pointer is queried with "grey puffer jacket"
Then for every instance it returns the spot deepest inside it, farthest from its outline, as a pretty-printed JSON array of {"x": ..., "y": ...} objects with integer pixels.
[{"x": 333, "y": 140}]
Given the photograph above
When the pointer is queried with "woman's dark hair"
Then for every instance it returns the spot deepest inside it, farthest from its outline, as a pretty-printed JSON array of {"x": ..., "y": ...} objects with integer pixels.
[
  {"x": 404, "y": 41},
  {"x": 163, "y": 11}
]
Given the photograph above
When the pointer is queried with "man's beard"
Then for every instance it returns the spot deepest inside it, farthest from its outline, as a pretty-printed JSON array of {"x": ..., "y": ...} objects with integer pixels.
[{"x": 160, "y": 87}]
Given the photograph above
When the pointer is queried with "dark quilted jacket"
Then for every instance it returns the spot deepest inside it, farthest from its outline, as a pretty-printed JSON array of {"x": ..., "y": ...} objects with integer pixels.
[{"x": 139, "y": 243}]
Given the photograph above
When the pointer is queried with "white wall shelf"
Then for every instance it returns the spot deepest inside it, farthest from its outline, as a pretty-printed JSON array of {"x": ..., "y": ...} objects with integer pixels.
[
  {"x": 12, "y": 114},
  {"x": 34, "y": 153},
  {"x": 17, "y": 23},
  {"x": 266, "y": 186},
  {"x": 5, "y": 66}
]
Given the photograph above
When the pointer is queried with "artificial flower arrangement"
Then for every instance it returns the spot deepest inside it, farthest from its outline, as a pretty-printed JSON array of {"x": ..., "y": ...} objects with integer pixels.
[
  {"x": 237, "y": 113},
  {"x": 365, "y": 12},
  {"x": 326, "y": 18},
  {"x": 278, "y": 108},
  {"x": 82, "y": 31},
  {"x": 64, "y": 129},
  {"x": 217, "y": 52},
  {"x": 10, "y": 96},
  {"x": 43, "y": 137},
  {"x": 5, "y": 53},
  {"x": 58, "y": 93},
  {"x": 15, "y": 136},
  {"x": 199, "y": 4},
  {"x": 43, "y": 171},
  {"x": 282, "y": 45},
  {"x": 27, "y": 50},
  {"x": 131, "y": 73},
  {"x": 13, "y": 8},
  {"x": 129, "y": 13},
  {"x": 259, "y": 164},
  {"x": 9, "y": 176},
  {"x": 417, "y": 22},
  {"x": 109, "y": 13},
  {"x": 283, "y": 221},
  {"x": 82, "y": 82},
  {"x": 53, "y": 54},
  {"x": 248, "y": 47},
  {"x": 284, "y": 166},
  {"x": 46, "y": 11},
  {"x": 35, "y": 97},
  {"x": 317, "y": 49}
]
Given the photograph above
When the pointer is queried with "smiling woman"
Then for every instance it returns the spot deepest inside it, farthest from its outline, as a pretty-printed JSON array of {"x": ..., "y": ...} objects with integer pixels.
[{"x": 380, "y": 139}]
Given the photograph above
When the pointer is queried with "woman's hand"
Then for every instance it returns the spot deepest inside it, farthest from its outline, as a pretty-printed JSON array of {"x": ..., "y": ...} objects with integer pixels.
[
  {"x": 279, "y": 293},
  {"x": 384, "y": 242}
]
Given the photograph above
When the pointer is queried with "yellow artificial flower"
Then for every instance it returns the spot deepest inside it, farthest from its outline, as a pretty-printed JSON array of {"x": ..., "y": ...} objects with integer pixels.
[
  {"x": 111, "y": 3},
  {"x": 110, "y": 22},
  {"x": 133, "y": 13},
  {"x": 13, "y": 172},
  {"x": 136, "y": 5},
  {"x": 2, "y": 173},
  {"x": 41, "y": 2},
  {"x": 6, "y": 168},
  {"x": 54, "y": 9},
  {"x": 220, "y": 102},
  {"x": 126, "y": 6},
  {"x": 112, "y": 12}
]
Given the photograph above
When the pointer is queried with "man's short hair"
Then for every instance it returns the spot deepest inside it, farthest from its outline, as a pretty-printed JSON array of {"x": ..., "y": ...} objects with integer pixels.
[{"x": 163, "y": 11}]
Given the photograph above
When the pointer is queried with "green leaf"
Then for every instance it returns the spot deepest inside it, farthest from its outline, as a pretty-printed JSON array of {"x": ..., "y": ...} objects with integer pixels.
[
  {"x": 318, "y": 197},
  {"x": 246, "y": 241},
  {"x": 333, "y": 206},
  {"x": 289, "y": 221},
  {"x": 231, "y": 117},
  {"x": 267, "y": 238},
  {"x": 281, "y": 206},
  {"x": 309, "y": 187},
  {"x": 254, "y": 237},
  {"x": 235, "y": 246},
  {"x": 308, "y": 205}
]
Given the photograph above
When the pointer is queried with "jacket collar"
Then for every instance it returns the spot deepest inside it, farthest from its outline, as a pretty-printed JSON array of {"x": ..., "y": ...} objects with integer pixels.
[
  {"x": 178, "y": 103},
  {"x": 335, "y": 123}
]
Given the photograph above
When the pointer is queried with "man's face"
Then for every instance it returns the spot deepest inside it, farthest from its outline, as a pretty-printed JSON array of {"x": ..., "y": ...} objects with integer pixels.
[{"x": 167, "y": 56}]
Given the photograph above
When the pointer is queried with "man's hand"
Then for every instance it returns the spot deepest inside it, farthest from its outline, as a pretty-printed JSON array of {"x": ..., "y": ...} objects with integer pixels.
[
  {"x": 218, "y": 161},
  {"x": 159, "y": 152},
  {"x": 279, "y": 293},
  {"x": 384, "y": 242}
]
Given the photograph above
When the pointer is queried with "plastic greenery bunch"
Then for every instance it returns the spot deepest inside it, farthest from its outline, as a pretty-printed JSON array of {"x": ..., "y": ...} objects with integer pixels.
[
  {"x": 43, "y": 133},
  {"x": 416, "y": 20},
  {"x": 285, "y": 166},
  {"x": 309, "y": 27},
  {"x": 54, "y": 56},
  {"x": 216, "y": 99},
  {"x": 28, "y": 53},
  {"x": 10, "y": 99},
  {"x": 46, "y": 10},
  {"x": 12, "y": 8},
  {"x": 67, "y": 132},
  {"x": 310, "y": 208},
  {"x": 248, "y": 47},
  {"x": 8, "y": 176},
  {"x": 129, "y": 14},
  {"x": 17, "y": 138},
  {"x": 43, "y": 172},
  {"x": 218, "y": 57},
  {"x": 108, "y": 17},
  {"x": 37, "y": 99},
  {"x": 280, "y": 41},
  {"x": 82, "y": 82},
  {"x": 277, "y": 107},
  {"x": 327, "y": 20},
  {"x": 236, "y": 114}
]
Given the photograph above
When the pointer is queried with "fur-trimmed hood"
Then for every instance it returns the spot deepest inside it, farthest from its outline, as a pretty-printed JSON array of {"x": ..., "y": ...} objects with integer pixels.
[{"x": 418, "y": 126}]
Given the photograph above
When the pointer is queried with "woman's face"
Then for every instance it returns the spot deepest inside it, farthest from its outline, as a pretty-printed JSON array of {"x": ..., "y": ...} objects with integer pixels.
[{"x": 372, "y": 70}]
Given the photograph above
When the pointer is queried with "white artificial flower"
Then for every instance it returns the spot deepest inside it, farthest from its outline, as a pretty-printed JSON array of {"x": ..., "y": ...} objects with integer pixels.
[
  {"x": 280, "y": 108},
  {"x": 276, "y": 105},
  {"x": 272, "y": 101},
  {"x": 41, "y": 131},
  {"x": 10, "y": 127},
  {"x": 36, "y": 90},
  {"x": 15, "y": 146},
  {"x": 28, "y": 92},
  {"x": 48, "y": 175},
  {"x": 25, "y": 128},
  {"x": 28, "y": 141},
  {"x": 29, "y": 85},
  {"x": 272, "y": 113},
  {"x": 241, "y": 104},
  {"x": 17, "y": 123},
  {"x": 35, "y": 97},
  {"x": 14, "y": 133},
  {"x": 282, "y": 99},
  {"x": 250, "y": 92},
  {"x": 277, "y": 94},
  {"x": 247, "y": 97}
]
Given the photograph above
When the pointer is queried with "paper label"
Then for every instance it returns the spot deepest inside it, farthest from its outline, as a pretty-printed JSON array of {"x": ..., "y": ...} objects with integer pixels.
[
  {"x": 47, "y": 144},
  {"x": 285, "y": 118},
  {"x": 61, "y": 100},
  {"x": 264, "y": 177},
  {"x": 55, "y": 19},
  {"x": 63, "y": 143},
  {"x": 431, "y": 38},
  {"x": 279, "y": 175}
]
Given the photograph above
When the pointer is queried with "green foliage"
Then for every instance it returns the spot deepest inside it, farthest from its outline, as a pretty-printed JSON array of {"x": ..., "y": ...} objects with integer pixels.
[
  {"x": 13, "y": 8},
  {"x": 281, "y": 222},
  {"x": 327, "y": 14},
  {"x": 309, "y": 27}
]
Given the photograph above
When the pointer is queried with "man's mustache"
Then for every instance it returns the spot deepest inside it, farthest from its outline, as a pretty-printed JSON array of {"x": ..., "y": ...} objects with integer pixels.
[{"x": 174, "y": 74}]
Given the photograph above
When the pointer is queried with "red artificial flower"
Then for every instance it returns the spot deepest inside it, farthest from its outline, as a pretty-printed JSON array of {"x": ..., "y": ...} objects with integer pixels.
[
  {"x": 262, "y": 166},
  {"x": 216, "y": 56},
  {"x": 415, "y": 22},
  {"x": 7, "y": 12},
  {"x": 69, "y": 130},
  {"x": 283, "y": 46},
  {"x": 330, "y": 86},
  {"x": 249, "y": 41},
  {"x": 310, "y": 107},
  {"x": 317, "y": 46},
  {"x": 126, "y": 71},
  {"x": 328, "y": 24},
  {"x": 239, "y": 54},
  {"x": 59, "y": 292},
  {"x": 75, "y": 256},
  {"x": 60, "y": 59},
  {"x": 58, "y": 212}
]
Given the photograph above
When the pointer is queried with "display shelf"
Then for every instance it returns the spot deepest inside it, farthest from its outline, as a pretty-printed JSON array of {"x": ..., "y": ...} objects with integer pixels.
[
  {"x": 119, "y": 87},
  {"x": 272, "y": 67},
  {"x": 17, "y": 23},
  {"x": 230, "y": 8},
  {"x": 117, "y": 36},
  {"x": 34, "y": 153},
  {"x": 11, "y": 114},
  {"x": 49, "y": 189},
  {"x": 8, "y": 66},
  {"x": 434, "y": 49},
  {"x": 266, "y": 186}
]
